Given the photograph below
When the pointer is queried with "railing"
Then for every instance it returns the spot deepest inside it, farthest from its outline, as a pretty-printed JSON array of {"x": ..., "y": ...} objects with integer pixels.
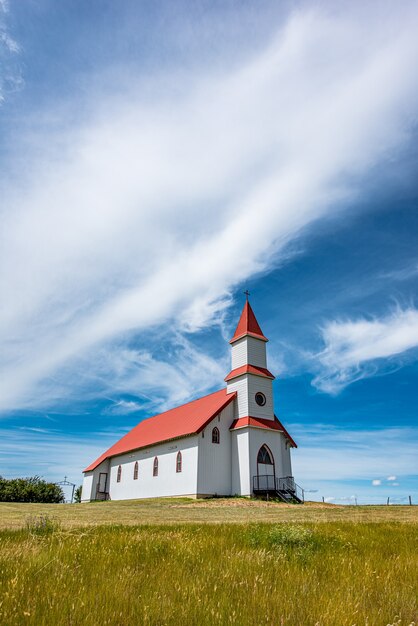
[
  {"x": 265, "y": 483},
  {"x": 283, "y": 484}
]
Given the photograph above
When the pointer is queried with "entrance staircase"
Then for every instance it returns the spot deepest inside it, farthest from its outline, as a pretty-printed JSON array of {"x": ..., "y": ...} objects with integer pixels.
[{"x": 284, "y": 489}]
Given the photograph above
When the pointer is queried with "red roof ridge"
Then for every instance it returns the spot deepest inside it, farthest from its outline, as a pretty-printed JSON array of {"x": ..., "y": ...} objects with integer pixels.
[
  {"x": 292, "y": 441},
  {"x": 262, "y": 422},
  {"x": 249, "y": 369},
  {"x": 248, "y": 325},
  {"x": 182, "y": 421}
]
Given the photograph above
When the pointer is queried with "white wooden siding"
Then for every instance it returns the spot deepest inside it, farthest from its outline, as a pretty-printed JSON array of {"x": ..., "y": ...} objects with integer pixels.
[
  {"x": 214, "y": 462},
  {"x": 248, "y": 350},
  {"x": 240, "y": 462},
  {"x": 246, "y": 387},
  {"x": 275, "y": 441},
  {"x": 239, "y": 353},
  {"x": 91, "y": 480},
  {"x": 167, "y": 483},
  {"x": 265, "y": 386},
  {"x": 256, "y": 352}
]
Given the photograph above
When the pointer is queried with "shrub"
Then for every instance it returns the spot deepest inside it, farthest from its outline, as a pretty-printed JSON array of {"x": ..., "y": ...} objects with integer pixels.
[
  {"x": 32, "y": 489},
  {"x": 286, "y": 538},
  {"x": 77, "y": 494},
  {"x": 42, "y": 524}
]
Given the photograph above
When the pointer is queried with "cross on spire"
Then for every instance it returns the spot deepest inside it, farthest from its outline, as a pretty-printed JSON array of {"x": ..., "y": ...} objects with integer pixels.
[{"x": 247, "y": 293}]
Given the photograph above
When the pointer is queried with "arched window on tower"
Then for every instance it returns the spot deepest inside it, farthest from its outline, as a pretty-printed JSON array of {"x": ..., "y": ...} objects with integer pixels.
[
  {"x": 264, "y": 456},
  {"x": 178, "y": 462},
  {"x": 136, "y": 470},
  {"x": 215, "y": 435},
  {"x": 155, "y": 467},
  {"x": 119, "y": 476}
]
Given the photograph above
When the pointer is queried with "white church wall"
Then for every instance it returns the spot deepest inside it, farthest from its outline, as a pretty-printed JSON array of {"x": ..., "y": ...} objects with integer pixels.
[
  {"x": 246, "y": 387},
  {"x": 91, "y": 480},
  {"x": 239, "y": 353},
  {"x": 87, "y": 490},
  {"x": 240, "y": 385},
  {"x": 240, "y": 462},
  {"x": 286, "y": 456},
  {"x": 169, "y": 482},
  {"x": 248, "y": 350},
  {"x": 256, "y": 352},
  {"x": 265, "y": 386},
  {"x": 275, "y": 441},
  {"x": 214, "y": 463}
]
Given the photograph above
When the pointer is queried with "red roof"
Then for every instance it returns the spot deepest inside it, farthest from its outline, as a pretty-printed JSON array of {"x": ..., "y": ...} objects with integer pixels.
[
  {"x": 248, "y": 325},
  {"x": 249, "y": 369},
  {"x": 292, "y": 441},
  {"x": 187, "y": 419},
  {"x": 261, "y": 422}
]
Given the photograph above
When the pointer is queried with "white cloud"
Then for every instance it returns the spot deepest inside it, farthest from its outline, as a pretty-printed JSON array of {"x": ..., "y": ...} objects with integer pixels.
[
  {"x": 335, "y": 454},
  {"x": 153, "y": 211},
  {"x": 358, "y": 349},
  {"x": 123, "y": 407},
  {"x": 10, "y": 72},
  {"x": 391, "y": 478},
  {"x": 111, "y": 371},
  {"x": 50, "y": 454},
  {"x": 376, "y": 482}
]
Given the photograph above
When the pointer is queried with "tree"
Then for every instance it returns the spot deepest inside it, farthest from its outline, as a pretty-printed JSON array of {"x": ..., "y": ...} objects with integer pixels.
[
  {"x": 32, "y": 489},
  {"x": 77, "y": 494}
]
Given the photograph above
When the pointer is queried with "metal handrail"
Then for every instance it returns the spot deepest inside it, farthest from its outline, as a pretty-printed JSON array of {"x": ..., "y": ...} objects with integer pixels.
[{"x": 273, "y": 483}]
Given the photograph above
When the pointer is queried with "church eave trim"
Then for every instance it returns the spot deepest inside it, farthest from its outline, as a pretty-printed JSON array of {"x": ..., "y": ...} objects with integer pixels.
[
  {"x": 248, "y": 334},
  {"x": 249, "y": 369}
]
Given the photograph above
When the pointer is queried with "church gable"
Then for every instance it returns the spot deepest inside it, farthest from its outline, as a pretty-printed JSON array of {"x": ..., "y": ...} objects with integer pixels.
[{"x": 182, "y": 421}]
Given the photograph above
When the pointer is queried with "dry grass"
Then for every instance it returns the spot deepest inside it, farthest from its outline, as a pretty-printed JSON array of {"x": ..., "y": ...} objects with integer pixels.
[
  {"x": 182, "y": 510},
  {"x": 339, "y": 573}
]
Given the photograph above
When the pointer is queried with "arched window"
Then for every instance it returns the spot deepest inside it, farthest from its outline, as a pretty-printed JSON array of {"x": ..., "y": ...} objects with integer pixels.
[
  {"x": 215, "y": 435},
  {"x": 265, "y": 456},
  {"x": 155, "y": 467},
  {"x": 119, "y": 476},
  {"x": 136, "y": 470},
  {"x": 178, "y": 462}
]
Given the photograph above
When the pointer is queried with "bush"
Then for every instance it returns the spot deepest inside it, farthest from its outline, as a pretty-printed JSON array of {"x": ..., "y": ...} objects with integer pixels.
[
  {"x": 32, "y": 489},
  {"x": 42, "y": 524},
  {"x": 77, "y": 494},
  {"x": 290, "y": 539}
]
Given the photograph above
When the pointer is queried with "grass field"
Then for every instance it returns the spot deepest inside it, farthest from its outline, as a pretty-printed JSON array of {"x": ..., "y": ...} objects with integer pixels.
[
  {"x": 184, "y": 510},
  {"x": 135, "y": 563}
]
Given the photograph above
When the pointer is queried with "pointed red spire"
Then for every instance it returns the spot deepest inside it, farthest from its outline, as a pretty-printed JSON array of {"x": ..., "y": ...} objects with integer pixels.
[{"x": 248, "y": 325}]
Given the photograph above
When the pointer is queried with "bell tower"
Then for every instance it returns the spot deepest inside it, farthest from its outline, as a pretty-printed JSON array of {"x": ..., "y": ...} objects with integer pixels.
[{"x": 249, "y": 376}]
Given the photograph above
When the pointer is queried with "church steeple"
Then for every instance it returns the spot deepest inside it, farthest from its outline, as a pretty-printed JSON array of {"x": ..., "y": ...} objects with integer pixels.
[
  {"x": 249, "y": 375},
  {"x": 248, "y": 325}
]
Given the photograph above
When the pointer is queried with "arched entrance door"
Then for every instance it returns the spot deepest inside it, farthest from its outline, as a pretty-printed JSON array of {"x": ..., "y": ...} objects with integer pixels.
[{"x": 265, "y": 469}]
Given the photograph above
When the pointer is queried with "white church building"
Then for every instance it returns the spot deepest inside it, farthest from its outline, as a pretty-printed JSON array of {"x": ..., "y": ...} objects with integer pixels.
[{"x": 227, "y": 443}]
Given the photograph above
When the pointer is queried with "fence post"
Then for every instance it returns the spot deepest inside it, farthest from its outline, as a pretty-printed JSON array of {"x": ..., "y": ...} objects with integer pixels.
[
  {"x": 323, "y": 499},
  {"x": 410, "y": 500},
  {"x": 387, "y": 502}
]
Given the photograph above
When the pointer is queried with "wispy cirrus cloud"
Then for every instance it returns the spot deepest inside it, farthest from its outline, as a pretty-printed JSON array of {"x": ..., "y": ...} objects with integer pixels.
[
  {"x": 168, "y": 197},
  {"x": 334, "y": 453},
  {"x": 10, "y": 72},
  {"x": 357, "y": 349},
  {"x": 153, "y": 382},
  {"x": 51, "y": 454}
]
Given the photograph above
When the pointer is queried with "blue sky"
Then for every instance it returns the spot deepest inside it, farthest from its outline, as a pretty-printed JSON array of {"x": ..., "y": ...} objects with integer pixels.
[{"x": 158, "y": 158}]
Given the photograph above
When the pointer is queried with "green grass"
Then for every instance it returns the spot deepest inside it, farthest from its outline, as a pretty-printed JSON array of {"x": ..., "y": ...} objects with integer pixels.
[
  {"x": 319, "y": 573},
  {"x": 183, "y": 510}
]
